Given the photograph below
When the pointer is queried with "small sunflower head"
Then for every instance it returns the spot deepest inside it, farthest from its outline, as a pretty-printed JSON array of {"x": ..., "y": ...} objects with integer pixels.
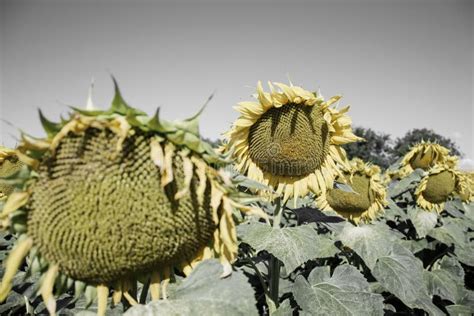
[
  {"x": 439, "y": 184},
  {"x": 368, "y": 196},
  {"x": 424, "y": 156},
  {"x": 466, "y": 192},
  {"x": 290, "y": 138}
]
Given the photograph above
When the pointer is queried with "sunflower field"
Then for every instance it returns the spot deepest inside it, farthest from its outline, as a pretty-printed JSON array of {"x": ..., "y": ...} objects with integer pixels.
[{"x": 115, "y": 212}]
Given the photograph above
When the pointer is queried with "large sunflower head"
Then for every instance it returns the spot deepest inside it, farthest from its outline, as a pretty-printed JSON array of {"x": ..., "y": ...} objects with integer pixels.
[
  {"x": 439, "y": 184},
  {"x": 368, "y": 196},
  {"x": 290, "y": 139},
  {"x": 115, "y": 197},
  {"x": 9, "y": 166},
  {"x": 423, "y": 155}
]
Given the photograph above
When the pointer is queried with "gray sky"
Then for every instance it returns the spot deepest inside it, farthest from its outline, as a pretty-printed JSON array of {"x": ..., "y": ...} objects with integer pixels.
[{"x": 400, "y": 64}]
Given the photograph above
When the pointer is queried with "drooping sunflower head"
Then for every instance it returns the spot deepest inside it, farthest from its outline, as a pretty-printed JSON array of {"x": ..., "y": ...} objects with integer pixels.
[
  {"x": 117, "y": 197},
  {"x": 366, "y": 199},
  {"x": 424, "y": 156},
  {"x": 439, "y": 184},
  {"x": 290, "y": 138},
  {"x": 467, "y": 191},
  {"x": 9, "y": 166}
]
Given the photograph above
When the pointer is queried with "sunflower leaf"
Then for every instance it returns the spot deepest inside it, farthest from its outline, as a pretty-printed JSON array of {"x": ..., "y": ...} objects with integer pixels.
[
  {"x": 370, "y": 242},
  {"x": 400, "y": 273},
  {"x": 423, "y": 221},
  {"x": 291, "y": 245},
  {"x": 345, "y": 293},
  {"x": 406, "y": 183},
  {"x": 447, "y": 280},
  {"x": 460, "y": 310},
  {"x": 204, "y": 292}
]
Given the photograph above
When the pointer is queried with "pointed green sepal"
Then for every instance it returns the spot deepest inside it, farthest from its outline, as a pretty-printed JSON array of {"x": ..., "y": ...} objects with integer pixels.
[
  {"x": 137, "y": 121},
  {"x": 192, "y": 124},
  {"x": 119, "y": 105},
  {"x": 88, "y": 112},
  {"x": 158, "y": 125},
  {"x": 49, "y": 127}
]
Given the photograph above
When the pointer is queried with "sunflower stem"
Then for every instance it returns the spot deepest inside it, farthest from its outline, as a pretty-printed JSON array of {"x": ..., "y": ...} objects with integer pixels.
[
  {"x": 274, "y": 273},
  {"x": 277, "y": 213},
  {"x": 144, "y": 293},
  {"x": 274, "y": 264}
]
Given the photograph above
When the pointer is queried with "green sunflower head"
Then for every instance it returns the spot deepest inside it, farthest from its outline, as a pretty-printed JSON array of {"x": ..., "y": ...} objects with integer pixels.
[
  {"x": 116, "y": 196},
  {"x": 366, "y": 198}
]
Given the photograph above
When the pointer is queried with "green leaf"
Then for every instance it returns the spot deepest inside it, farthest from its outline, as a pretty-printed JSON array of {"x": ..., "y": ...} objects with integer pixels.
[
  {"x": 284, "y": 309},
  {"x": 452, "y": 232},
  {"x": 454, "y": 208},
  {"x": 204, "y": 292},
  {"x": 400, "y": 273},
  {"x": 243, "y": 181},
  {"x": 460, "y": 310},
  {"x": 345, "y": 293},
  {"x": 415, "y": 245},
  {"x": 291, "y": 245},
  {"x": 370, "y": 242},
  {"x": 446, "y": 280},
  {"x": 465, "y": 253},
  {"x": 423, "y": 221},
  {"x": 393, "y": 210},
  {"x": 469, "y": 208},
  {"x": 406, "y": 183}
]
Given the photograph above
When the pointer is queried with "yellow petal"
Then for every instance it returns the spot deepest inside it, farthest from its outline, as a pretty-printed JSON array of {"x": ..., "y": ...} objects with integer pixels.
[
  {"x": 47, "y": 288},
  {"x": 188, "y": 168},
  {"x": 155, "y": 283},
  {"x": 13, "y": 262},
  {"x": 157, "y": 155},
  {"x": 102, "y": 294},
  {"x": 264, "y": 98},
  {"x": 14, "y": 202}
]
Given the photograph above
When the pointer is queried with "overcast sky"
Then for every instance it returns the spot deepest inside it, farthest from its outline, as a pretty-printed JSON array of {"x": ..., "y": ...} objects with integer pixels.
[{"x": 400, "y": 64}]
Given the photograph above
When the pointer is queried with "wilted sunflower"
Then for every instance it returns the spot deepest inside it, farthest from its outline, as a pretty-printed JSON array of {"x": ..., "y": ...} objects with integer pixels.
[
  {"x": 115, "y": 197},
  {"x": 9, "y": 166},
  {"x": 468, "y": 194},
  {"x": 290, "y": 139},
  {"x": 423, "y": 155},
  {"x": 368, "y": 198},
  {"x": 439, "y": 184}
]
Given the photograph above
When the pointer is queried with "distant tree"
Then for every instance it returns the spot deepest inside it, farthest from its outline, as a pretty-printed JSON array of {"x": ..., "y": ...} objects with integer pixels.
[
  {"x": 375, "y": 149},
  {"x": 402, "y": 145}
]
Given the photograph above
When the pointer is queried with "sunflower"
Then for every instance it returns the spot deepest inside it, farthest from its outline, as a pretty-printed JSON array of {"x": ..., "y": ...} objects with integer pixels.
[
  {"x": 439, "y": 184},
  {"x": 423, "y": 156},
  {"x": 9, "y": 166},
  {"x": 290, "y": 139},
  {"x": 468, "y": 192},
  {"x": 115, "y": 197},
  {"x": 368, "y": 198}
]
